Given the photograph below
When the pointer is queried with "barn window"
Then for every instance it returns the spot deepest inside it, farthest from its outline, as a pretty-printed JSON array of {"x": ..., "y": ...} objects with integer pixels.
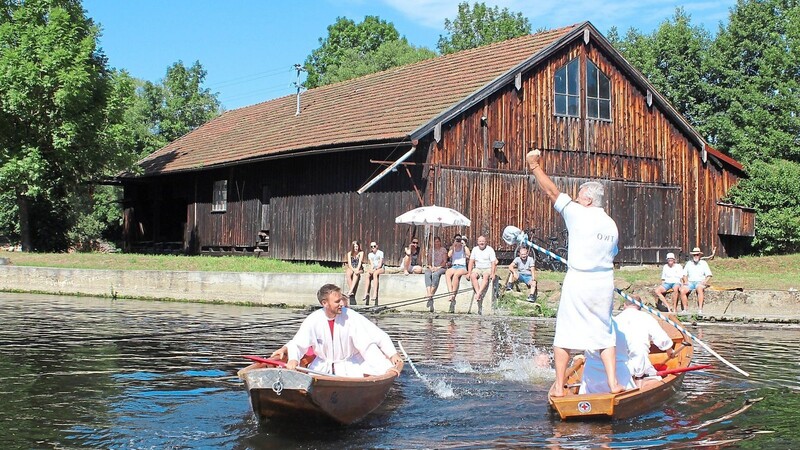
[
  {"x": 598, "y": 93},
  {"x": 220, "y": 198},
  {"x": 567, "y": 95}
]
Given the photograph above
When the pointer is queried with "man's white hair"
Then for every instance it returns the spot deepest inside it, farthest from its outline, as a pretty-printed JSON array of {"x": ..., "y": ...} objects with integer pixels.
[{"x": 594, "y": 191}]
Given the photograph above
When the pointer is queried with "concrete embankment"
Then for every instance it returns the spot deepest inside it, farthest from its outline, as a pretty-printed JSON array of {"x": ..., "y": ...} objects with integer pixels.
[{"x": 299, "y": 290}]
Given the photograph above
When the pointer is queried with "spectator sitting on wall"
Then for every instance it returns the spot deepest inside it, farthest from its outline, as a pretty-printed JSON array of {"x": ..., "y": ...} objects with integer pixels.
[
  {"x": 374, "y": 270},
  {"x": 458, "y": 255},
  {"x": 353, "y": 269},
  {"x": 696, "y": 275},
  {"x": 522, "y": 269},
  {"x": 410, "y": 262},
  {"x": 671, "y": 275},
  {"x": 435, "y": 270},
  {"x": 482, "y": 269}
]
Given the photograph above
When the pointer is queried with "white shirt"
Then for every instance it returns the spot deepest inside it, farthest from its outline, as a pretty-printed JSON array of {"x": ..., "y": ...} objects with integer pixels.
[
  {"x": 594, "y": 380},
  {"x": 357, "y": 347},
  {"x": 376, "y": 259},
  {"x": 593, "y": 235},
  {"x": 639, "y": 328},
  {"x": 696, "y": 272},
  {"x": 483, "y": 258},
  {"x": 672, "y": 274}
]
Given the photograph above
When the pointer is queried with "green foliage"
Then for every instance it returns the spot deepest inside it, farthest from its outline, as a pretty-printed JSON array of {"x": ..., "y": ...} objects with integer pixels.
[
  {"x": 773, "y": 189},
  {"x": 754, "y": 76},
  {"x": 481, "y": 25},
  {"x": 53, "y": 91},
  {"x": 673, "y": 59},
  {"x": 346, "y": 42},
  {"x": 389, "y": 54},
  {"x": 740, "y": 89}
]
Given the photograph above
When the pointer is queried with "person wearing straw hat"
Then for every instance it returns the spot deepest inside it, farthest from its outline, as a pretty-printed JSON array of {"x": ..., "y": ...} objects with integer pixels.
[
  {"x": 696, "y": 274},
  {"x": 583, "y": 321},
  {"x": 671, "y": 275}
]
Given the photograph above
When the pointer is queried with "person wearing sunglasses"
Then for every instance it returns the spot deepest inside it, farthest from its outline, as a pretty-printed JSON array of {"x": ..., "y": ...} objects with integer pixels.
[
  {"x": 410, "y": 262},
  {"x": 374, "y": 271},
  {"x": 459, "y": 255}
]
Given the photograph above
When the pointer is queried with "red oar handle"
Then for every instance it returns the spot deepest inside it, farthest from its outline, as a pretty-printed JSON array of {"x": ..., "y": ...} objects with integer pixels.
[
  {"x": 273, "y": 362},
  {"x": 662, "y": 373}
]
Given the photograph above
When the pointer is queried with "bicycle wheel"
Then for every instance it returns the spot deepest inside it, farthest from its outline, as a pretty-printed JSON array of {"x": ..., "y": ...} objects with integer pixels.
[{"x": 558, "y": 265}]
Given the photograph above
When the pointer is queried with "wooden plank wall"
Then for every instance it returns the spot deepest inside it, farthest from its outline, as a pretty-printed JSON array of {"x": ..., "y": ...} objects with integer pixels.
[{"x": 664, "y": 194}]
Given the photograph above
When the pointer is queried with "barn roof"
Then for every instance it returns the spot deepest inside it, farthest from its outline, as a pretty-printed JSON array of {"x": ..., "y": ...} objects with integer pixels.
[{"x": 396, "y": 105}]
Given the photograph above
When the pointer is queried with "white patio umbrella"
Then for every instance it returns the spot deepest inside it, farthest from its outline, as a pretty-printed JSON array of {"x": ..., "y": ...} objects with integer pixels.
[{"x": 433, "y": 215}]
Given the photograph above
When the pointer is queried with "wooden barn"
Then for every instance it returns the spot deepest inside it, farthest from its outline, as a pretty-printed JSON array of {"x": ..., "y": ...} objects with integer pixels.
[{"x": 299, "y": 178}]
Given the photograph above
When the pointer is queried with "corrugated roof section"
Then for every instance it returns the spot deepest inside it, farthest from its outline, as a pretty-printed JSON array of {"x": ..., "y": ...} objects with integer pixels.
[{"x": 385, "y": 106}]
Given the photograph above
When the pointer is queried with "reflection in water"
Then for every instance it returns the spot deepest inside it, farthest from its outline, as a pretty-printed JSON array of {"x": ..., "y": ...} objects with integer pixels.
[{"x": 79, "y": 372}]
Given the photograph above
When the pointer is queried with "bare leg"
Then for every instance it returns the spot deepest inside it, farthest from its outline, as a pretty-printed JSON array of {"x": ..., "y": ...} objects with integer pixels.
[
  {"x": 685, "y": 297},
  {"x": 700, "y": 296},
  {"x": 609, "y": 358},
  {"x": 377, "y": 282},
  {"x": 561, "y": 359},
  {"x": 675, "y": 293}
]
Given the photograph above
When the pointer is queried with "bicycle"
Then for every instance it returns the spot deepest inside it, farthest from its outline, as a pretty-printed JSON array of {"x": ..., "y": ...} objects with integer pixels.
[{"x": 557, "y": 244}]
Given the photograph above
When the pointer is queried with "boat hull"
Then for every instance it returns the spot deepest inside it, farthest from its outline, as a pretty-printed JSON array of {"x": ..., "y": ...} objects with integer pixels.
[
  {"x": 288, "y": 395},
  {"x": 631, "y": 403}
]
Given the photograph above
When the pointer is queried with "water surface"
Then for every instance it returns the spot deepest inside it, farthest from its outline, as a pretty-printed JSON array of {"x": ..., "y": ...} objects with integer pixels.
[{"x": 96, "y": 373}]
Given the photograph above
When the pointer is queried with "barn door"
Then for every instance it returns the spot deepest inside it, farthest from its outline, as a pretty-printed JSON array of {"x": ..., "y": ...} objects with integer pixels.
[{"x": 649, "y": 219}]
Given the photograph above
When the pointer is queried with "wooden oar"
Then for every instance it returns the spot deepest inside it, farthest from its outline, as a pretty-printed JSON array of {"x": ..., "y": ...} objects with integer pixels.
[
  {"x": 681, "y": 329},
  {"x": 666, "y": 372},
  {"x": 645, "y": 307},
  {"x": 279, "y": 363}
]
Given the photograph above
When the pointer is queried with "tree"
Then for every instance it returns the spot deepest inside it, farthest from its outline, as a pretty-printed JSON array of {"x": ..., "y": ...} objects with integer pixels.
[
  {"x": 389, "y": 54},
  {"x": 141, "y": 117},
  {"x": 346, "y": 39},
  {"x": 53, "y": 90},
  {"x": 755, "y": 79},
  {"x": 481, "y": 25},
  {"x": 673, "y": 59}
]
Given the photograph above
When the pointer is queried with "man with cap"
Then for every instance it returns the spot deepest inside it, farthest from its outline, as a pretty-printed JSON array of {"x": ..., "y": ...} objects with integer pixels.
[
  {"x": 671, "y": 275},
  {"x": 696, "y": 274}
]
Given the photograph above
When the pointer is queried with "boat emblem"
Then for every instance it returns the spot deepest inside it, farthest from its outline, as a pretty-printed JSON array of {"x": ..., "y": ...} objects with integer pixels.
[
  {"x": 277, "y": 386},
  {"x": 584, "y": 407}
]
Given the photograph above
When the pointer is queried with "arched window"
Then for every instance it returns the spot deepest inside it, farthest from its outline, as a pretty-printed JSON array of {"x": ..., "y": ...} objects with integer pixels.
[
  {"x": 567, "y": 89},
  {"x": 598, "y": 93}
]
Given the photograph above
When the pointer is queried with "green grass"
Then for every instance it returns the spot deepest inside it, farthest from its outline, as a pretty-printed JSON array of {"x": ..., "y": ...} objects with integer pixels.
[
  {"x": 131, "y": 261},
  {"x": 765, "y": 272},
  {"x": 749, "y": 272}
]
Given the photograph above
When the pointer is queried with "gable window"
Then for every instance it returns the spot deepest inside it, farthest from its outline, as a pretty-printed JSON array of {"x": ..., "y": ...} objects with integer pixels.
[
  {"x": 220, "y": 197},
  {"x": 567, "y": 94},
  {"x": 598, "y": 93}
]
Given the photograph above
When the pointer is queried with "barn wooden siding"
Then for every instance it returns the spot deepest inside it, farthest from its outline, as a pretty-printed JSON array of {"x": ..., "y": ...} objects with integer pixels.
[
  {"x": 660, "y": 192},
  {"x": 313, "y": 211}
]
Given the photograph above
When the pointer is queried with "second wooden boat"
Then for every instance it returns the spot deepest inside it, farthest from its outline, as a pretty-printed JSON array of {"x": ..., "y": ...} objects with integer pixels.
[{"x": 632, "y": 402}]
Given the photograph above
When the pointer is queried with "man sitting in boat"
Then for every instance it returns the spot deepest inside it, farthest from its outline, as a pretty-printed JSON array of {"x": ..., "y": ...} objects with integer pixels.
[
  {"x": 345, "y": 342},
  {"x": 595, "y": 380},
  {"x": 639, "y": 329}
]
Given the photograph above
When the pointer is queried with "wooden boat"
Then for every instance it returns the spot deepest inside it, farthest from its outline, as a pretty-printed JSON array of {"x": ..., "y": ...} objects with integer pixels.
[
  {"x": 279, "y": 394},
  {"x": 632, "y": 402}
]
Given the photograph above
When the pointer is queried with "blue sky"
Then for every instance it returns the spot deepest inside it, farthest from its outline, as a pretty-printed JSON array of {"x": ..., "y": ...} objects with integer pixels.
[{"x": 248, "y": 47}]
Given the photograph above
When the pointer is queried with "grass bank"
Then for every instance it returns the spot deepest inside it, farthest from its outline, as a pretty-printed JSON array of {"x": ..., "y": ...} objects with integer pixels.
[
  {"x": 765, "y": 272},
  {"x": 749, "y": 272},
  {"x": 131, "y": 261}
]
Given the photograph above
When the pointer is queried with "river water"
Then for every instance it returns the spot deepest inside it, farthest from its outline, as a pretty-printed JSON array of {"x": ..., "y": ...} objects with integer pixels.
[{"x": 100, "y": 373}]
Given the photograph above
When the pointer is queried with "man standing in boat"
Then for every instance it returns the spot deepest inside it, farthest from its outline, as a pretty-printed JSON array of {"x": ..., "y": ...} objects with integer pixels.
[
  {"x": 583, "y": 321},
  {"x": 345, "y": 342}
]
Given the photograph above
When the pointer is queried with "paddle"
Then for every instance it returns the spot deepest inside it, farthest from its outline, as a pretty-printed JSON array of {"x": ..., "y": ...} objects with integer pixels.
[
  {"x": 666, "y": 372},
  {"x": 279, "y": 363},
  {"x": 512, "y": 234}
]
